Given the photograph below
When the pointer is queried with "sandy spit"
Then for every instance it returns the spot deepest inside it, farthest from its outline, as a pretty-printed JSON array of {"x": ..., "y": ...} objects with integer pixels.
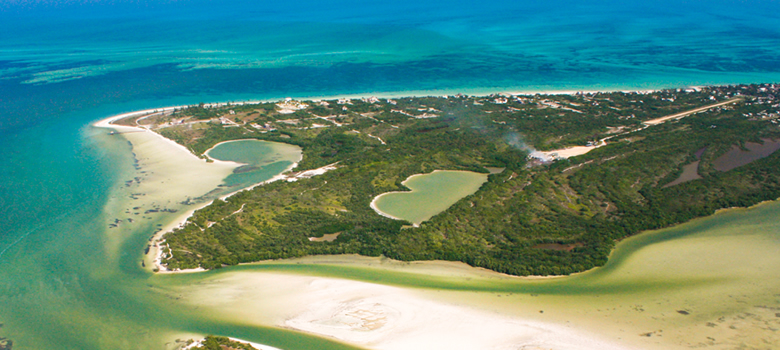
[{"x": 172, "y": 175}]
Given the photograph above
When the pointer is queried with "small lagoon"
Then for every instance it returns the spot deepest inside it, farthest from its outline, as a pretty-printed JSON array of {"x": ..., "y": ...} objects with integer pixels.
[
  {"x": 263, "y": 160},
  {"x": 430, "y": 194}
]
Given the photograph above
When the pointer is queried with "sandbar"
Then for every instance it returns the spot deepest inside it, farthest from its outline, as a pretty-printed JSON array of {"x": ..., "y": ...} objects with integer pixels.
[
  {"x": 377, "y": 316},
  {"x": 169, "y": 178}
]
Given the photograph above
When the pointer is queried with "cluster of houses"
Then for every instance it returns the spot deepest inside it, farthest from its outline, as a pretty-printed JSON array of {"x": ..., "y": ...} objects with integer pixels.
[{"x": 289, "y": 106}]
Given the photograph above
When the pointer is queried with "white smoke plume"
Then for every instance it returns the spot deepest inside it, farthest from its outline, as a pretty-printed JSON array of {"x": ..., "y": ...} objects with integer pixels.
[{"x": 514, "y": 139}]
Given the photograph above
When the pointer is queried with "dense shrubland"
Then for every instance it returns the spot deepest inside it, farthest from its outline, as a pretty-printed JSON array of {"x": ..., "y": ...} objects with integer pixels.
[{"x": 585, "y": 203}]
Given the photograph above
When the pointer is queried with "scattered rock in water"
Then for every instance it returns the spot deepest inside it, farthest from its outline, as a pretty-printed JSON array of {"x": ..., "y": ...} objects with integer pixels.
[
  {"x": 6, "y": 344},
  {"x": 244, "y": 169},
  {"x": 683, "y": 312}
]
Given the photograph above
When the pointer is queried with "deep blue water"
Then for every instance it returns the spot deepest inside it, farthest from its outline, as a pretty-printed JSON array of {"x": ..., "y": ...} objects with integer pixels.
[{"x": 65, "y": 64}]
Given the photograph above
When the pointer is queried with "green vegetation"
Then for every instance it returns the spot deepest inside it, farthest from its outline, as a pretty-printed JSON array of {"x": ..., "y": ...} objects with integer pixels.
[
  {"x": 222, "y": 343},
  {"x": 586, "y": 202}
]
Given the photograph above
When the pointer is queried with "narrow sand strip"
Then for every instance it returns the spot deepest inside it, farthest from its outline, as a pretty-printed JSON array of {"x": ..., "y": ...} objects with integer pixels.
[
  {"x": 687, "y": 113},
  {"x": 373, "y": 206}
]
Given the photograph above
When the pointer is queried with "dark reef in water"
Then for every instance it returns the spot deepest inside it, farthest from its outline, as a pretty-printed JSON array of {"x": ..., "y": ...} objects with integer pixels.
[{"x": 5, "y": 343}]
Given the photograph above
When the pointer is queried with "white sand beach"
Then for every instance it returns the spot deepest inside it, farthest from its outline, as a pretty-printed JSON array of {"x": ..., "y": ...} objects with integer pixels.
[{"x": 373, "y": 206}]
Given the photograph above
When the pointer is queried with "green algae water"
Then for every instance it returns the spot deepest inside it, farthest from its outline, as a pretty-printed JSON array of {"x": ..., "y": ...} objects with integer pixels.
[{"x": 430, "y": 194}]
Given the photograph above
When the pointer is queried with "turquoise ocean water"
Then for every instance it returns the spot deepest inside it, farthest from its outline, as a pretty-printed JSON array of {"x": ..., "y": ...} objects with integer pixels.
[{"x": 66, "y": 64}]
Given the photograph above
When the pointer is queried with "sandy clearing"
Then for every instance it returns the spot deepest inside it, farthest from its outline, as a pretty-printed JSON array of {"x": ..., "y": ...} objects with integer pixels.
[{"x": 572, "y": 151}]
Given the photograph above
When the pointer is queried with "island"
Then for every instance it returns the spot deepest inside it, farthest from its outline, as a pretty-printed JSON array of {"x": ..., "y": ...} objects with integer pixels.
[{"x": 568, "y": 175}]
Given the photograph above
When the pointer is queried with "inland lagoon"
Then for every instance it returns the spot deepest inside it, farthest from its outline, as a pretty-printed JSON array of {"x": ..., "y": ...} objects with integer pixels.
[
  {"x": 738, "y": 156},
  {"x": 259, "y": 158},
  {"x": 430, "y": 194}
]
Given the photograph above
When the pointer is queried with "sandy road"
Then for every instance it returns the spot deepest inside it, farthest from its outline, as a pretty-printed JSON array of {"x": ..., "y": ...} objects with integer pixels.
[{"x": 693, "y": 111}]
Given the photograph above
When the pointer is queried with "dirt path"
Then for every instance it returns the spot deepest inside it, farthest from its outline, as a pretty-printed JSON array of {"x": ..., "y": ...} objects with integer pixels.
[
  {"x": 580, "y": 150},
  {"x": 687, "y": 113}
]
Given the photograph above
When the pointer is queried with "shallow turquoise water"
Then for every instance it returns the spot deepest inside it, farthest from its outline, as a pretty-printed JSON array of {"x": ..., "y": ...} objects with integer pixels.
[{"x": 64, "y": 65}]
